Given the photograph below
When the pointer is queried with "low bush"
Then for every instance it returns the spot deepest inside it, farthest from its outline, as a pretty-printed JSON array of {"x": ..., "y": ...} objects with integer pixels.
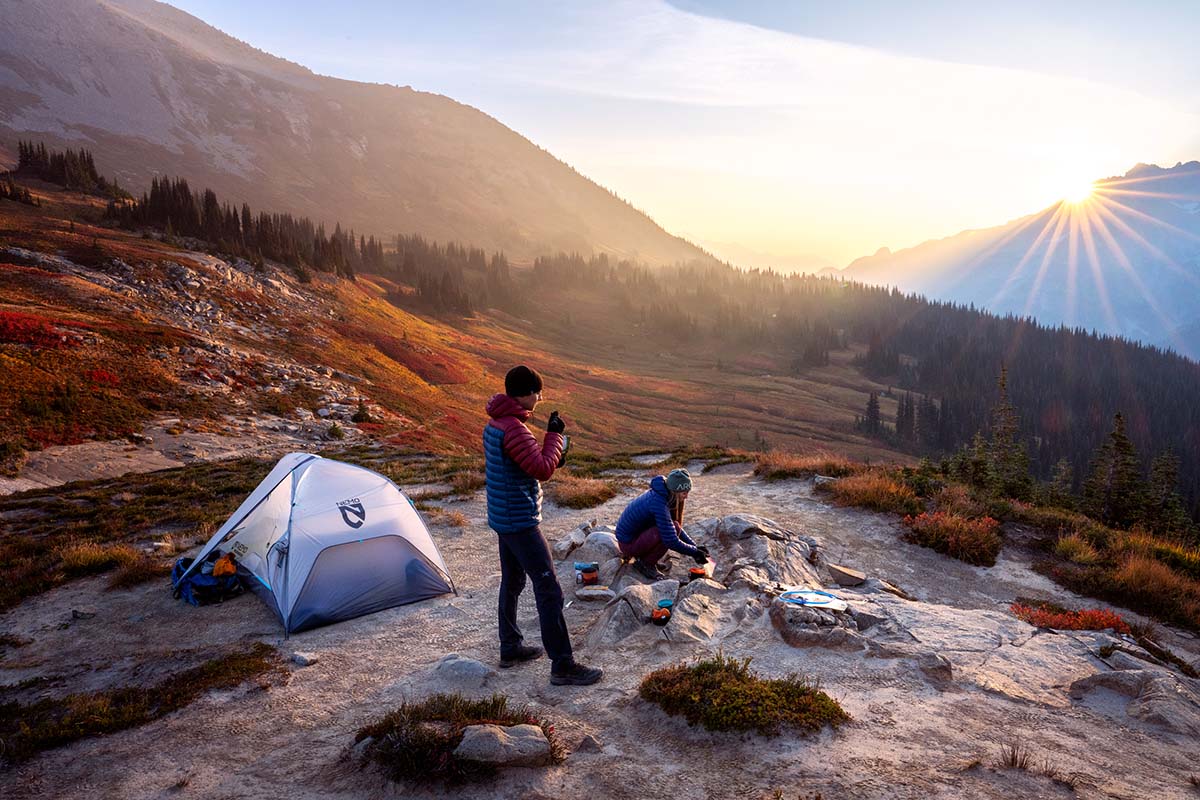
[
  {"x": 570, "y": 491},
  {"x": 417, "y": 741},
  {"x": 876, "y": 491},
  {"x": 1179, "y": 557},
  {"x": 467, "y": 482},
  {"x": 955, "y": 498},
  {"x": 776, "y": 466},
  {"x": 135, "y": 573},
  {"x": 1086, "y": 619},
  {"x": 1138, "y": 583},
  {"x": 26, "y": 730},
  {"x": 975, "y": 541},
  {"x": 723, "y": 694}
]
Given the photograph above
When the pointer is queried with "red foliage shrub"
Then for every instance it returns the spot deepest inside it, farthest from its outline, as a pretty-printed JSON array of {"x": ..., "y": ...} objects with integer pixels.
[
  {"x": 18, "y": 328},
  {"x": 1087, "y": 619},
  {"x": 102, "y": 377},
  {"x": 975, "y": 541}
]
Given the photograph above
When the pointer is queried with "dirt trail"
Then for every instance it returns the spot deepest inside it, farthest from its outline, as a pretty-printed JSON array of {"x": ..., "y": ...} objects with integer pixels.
[{"x": 908, "y": 739}]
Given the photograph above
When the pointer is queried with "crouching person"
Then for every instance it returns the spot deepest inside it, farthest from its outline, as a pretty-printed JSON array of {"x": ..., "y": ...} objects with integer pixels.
[
  {"x": 653, "y": 524},
  {"x": 515, "y": 466}
]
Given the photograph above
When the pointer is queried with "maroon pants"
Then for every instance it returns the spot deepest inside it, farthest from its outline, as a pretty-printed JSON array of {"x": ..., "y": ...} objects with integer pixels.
[{"x": 648, "y": 546}]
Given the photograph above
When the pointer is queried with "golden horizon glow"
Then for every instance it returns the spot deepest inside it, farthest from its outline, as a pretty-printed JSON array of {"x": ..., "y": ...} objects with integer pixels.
[{"x": 1080, "y": 193}]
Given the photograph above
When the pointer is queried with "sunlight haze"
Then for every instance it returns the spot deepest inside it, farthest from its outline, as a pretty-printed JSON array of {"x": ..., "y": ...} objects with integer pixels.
[{"x": 793, "y": 147}]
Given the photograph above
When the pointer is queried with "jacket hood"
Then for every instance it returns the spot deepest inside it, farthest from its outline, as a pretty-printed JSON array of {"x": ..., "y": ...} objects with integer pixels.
[
  {"x": 501, "y": 405},
  {"x": 658, "y": 485}
]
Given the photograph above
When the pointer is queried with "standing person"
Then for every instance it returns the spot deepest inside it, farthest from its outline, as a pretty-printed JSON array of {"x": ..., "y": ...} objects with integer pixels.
[
  {"x": 653, "y": 524},
  {"x": 516, "y": 466}
]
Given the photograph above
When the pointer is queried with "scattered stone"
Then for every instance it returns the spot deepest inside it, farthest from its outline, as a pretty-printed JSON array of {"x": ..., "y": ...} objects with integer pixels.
[
  {"x": 514, "y": 746},
  {"x": 844, "y": 576},
  {"x": 937, "y": 669},
  {"x": 85, "y": 612},
  {"x": 588, "y": 744},
  {"x": 359, "y": 751},
  {"x": 461, "y": 671},
  {"x": 323, "y": 412},
  {"x": 594, "y": 593},
  {"x": 305, "y": 659},
  {"x": 821, "y": 480}
]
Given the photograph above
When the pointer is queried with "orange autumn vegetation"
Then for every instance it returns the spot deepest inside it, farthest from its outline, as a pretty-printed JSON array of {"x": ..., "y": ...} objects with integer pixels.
[
  {"x": 975, "y": 541},
  {"x": 1086, "y": 619}
]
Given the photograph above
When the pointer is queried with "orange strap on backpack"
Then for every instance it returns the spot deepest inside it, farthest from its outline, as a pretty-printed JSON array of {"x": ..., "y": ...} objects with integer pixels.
[{"x": 224, "y": 565}]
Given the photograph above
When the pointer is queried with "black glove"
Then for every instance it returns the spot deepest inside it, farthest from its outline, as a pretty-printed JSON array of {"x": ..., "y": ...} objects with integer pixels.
[
  {"x": 701, "y": 557},
  {"x": 703, "y": 549},
  {"x": 555, "y": 424}
]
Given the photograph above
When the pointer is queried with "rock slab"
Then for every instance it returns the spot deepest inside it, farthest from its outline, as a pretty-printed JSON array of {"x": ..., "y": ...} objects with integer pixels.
[{"x": 514, "y": 746}]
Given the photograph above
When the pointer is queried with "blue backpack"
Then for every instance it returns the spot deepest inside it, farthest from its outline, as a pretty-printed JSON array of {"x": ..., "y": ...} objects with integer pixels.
[{"x": 201, "y": 589}]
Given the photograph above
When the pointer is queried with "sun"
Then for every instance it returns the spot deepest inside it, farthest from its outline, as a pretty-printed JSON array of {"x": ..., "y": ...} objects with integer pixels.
[{"x": 1079, "y": 194}]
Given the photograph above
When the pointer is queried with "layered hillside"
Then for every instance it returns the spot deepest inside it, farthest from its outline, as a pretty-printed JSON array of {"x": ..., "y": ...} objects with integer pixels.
[{"x": 147, "y": 85}]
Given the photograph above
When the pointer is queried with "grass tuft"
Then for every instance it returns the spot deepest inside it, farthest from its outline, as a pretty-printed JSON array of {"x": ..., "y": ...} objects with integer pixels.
[
  {"x": 1073, "y": 547},
  {"x": 570, "y": 491},
  {"x": 26, "y": 730},
  {"x": 1015, "y": 755},
  {"x": 876, "y": 491},
  {"x": 975, "y": 541},
  {"x": 89, "y": 558},
  {"x": 723, "y": 694},
  {"x": 467, "y": 482},
  {"x": 775, "y": 466},
  {"x": 416, "y": 742}
]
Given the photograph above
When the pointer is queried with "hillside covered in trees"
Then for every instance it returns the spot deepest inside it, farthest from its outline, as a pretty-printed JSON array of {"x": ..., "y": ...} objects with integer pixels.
[{"x": 1065, "y": 386}]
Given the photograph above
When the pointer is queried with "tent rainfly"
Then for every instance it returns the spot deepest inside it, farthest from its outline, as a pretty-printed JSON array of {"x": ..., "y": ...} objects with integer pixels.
[{"x": 322, "y": 541}]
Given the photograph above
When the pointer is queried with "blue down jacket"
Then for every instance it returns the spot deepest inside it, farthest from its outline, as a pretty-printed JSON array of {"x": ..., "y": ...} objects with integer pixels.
[
  {"x": 515, "y": 466},
  {"x": 650, "y": 510}
]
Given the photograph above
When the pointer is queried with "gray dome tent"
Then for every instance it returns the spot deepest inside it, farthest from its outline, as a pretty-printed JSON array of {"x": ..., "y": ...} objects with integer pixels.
[{"x": 323, "y": 541}]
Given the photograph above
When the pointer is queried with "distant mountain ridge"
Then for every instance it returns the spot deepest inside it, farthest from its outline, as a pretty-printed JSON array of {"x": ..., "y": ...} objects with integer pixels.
[
  {"x": 141, "y": 83},
  {"x": 1125, "y": 262}
]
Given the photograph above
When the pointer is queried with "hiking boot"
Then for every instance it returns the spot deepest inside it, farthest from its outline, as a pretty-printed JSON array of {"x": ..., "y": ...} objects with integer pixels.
[
  {"x": 663, "y": 567},
  {"x": 524, "y": 652},
  {"x": 646, "y": 570},
  {"x": 576, "y": 675}
]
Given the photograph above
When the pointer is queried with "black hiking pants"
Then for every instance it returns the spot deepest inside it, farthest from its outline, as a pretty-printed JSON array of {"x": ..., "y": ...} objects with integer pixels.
[{"x": 522, "y": 554}]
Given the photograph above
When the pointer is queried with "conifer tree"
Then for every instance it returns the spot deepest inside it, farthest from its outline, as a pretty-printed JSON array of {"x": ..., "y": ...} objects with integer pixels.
[
  {"x": 1114, "y": 492},
  {"x": 1164, "y": 511},
  {"x": 1008, "y": 459}
]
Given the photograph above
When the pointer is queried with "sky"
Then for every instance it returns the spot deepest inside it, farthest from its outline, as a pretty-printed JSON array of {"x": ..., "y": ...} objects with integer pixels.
[{"x": 794, "y": 134}]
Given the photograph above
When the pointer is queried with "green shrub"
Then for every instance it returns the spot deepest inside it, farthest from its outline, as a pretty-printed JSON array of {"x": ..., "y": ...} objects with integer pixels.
[
  {"x": 417, "y": 741},
  {"x": 723, "y": 694}
]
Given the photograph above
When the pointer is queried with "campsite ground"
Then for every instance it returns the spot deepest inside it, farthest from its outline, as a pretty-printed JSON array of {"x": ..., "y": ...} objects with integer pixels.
[{"x": 909, "y": 738}]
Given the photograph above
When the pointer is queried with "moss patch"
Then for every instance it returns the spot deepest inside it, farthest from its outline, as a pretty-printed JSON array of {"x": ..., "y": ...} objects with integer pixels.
[{"x": 723, "y": 694}]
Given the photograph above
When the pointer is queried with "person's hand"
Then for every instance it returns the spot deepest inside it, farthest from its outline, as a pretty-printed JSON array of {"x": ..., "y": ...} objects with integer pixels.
[
  {"x": 703, "y": 549},
  {"x": 701, "y": 557},
  {"x": 555, "y": 424}
]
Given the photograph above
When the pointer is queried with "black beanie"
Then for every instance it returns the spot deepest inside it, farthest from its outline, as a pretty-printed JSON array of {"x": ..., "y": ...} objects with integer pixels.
[{"x": 522, "y": 380}]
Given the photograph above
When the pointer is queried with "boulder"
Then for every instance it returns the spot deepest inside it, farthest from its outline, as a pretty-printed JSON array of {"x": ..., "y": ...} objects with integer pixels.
[
  {"x": 564, "y": 546},
  {"x": 599, "y": 546},
  {"x": 455, "y": 671},
  {"x": 706, "y": 587},
  {"x": 514, "y": 746},
  {"x": 305, "y": 659},
  {"x": 643, "y": 598},
  {"x": 609, "y": 571},
  {"x": 695, "y": 618}
]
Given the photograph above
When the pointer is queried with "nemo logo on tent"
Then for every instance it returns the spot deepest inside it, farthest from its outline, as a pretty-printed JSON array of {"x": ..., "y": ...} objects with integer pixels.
[{"x": 352, "y": 508}]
